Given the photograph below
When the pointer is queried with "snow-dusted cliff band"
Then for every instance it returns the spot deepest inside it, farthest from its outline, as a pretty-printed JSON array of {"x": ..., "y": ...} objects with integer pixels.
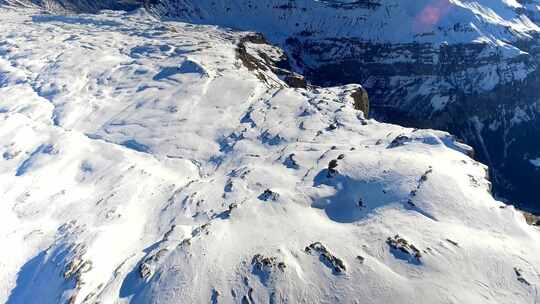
[{"x": 148, "y": 161}]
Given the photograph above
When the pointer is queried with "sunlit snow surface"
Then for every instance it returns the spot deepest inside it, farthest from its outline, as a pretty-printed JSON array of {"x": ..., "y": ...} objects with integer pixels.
[{"x": 125, "y": 141}]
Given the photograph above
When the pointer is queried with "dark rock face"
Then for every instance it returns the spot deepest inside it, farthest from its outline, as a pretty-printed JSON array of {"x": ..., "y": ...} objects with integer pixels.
[
  {"x": 266, "y": 267},
  {"x": 361, "y": 100}
]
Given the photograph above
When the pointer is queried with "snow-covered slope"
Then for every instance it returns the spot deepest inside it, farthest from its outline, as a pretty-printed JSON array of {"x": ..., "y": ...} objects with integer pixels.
[
  {"x": 467, "y": 66},
  {"x": 156, "y": 162}
]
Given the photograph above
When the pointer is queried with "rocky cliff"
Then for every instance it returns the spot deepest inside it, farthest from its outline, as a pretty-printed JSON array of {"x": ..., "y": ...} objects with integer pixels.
[{"x": 78, "y": 6}]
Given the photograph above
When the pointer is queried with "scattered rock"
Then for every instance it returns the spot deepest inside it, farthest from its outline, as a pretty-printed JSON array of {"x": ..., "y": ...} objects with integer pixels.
[
  {"x": 264, "y": 267},
  {"x": 332, "y": 168},
  {"x": 410, "y": 201},
  {"x": 332, "y": 127},
  {"x": 290, "y": 162},
  {"x": 361, "y": 203},
  {"x": 269, "y": 195},
  {"x": 520, "y": 277},
  {"x": 10, "y": 155},
  {"x": 400, "y": 140},
  {"x": 146, "y": 267},
  {"x": 145, "y": 270},
  {"x": 185, "y": 242},
  {"x": 204, "y": 228},
  {"x": 169, "y": 232},
  {"x": 77, "y": 267},
  {"x": 326, "y": 257},
  {"x": 400, "y": 244},
  {"x": 421, "y": 181},
  {"x": 232, "y": 207},
  {"x": 228, "y": 187},
  {"x": 424, "y": 176},
  {"x": 452, "y": 242}
]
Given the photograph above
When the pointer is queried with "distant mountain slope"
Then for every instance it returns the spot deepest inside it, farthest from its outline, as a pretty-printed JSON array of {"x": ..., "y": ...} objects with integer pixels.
[
  {"x": 470, "y": 67},
  {"x": 75, "y": 5},
  {"x": 144, "y": 161}
]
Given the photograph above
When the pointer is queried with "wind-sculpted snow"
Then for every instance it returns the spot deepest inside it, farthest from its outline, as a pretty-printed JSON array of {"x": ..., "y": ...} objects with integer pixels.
[{"x": 142, "y": 162}]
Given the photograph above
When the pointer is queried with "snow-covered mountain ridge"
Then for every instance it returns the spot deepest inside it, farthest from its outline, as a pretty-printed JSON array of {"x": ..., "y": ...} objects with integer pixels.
[
  {"x": 466, "y": 66},
  {"x": 469, "y": 67},
  {"x": 164, "y": 162}
]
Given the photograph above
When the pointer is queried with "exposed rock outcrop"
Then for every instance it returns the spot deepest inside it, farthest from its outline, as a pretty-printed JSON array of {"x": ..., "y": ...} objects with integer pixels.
[
  {"x": 260, "y": 57},
  {"x": 532, "y": 219},
  {"x": 401, "y": 245},
  {"x": 361, "y": 100},
  {"x": 336, "y": 264}
]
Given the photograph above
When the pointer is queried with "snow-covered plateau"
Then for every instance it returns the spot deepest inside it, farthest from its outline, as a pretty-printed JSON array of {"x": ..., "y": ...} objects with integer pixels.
[
  {"x": 454, "y": 65},
  {"x": 144, "y": 161}
]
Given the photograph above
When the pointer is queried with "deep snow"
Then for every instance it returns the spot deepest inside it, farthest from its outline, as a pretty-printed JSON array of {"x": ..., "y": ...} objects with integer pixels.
[{"x": 142, "y": 163}]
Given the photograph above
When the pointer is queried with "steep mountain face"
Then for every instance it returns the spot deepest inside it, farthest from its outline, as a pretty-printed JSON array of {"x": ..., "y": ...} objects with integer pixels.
[
  {"x": 144, "y": 161},
  {"x": 469, "y": 67},
  {"x": 88, "y": 6}
]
